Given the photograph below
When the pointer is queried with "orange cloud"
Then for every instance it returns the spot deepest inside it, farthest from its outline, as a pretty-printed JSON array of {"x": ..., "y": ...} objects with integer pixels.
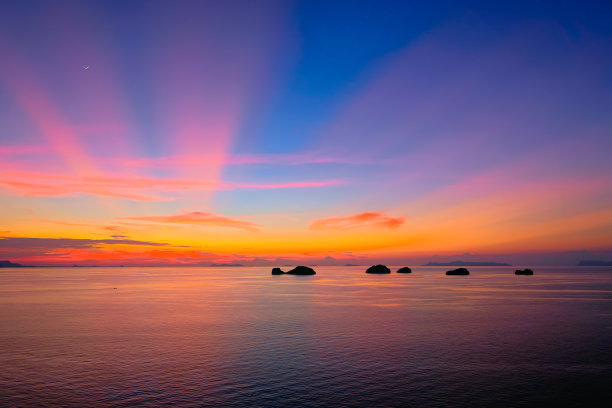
[
  {"x": 200, "y": 218},
  {"x": 8, "y": 244},
  {"x": 363, "y": 220}
]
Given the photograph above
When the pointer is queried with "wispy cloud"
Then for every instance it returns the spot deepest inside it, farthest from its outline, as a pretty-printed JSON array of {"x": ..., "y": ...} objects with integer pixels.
[
  {"x": 270, "y": 186},
  {"x": 14, "y": 150},
  {"x": 362, "y": 220},
  {"x": 292, "y": 159},
  {"x": 45, "y": 184},
  {"x": 10, "y": 243},
  {"x": 200, "y": 218},
  {"x": 65, "y": 223}
]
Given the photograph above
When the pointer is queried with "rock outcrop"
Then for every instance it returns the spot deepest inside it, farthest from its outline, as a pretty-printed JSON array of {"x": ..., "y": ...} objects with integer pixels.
[
  {"x": 298, "y": 270},
  {"x": 458, "y": 271},
  {"x": 523, "y": 272},
  {"x": 378, "y": 269},
  {"x": 405, "y": 269},
  {"x": 301, "y": 270}
]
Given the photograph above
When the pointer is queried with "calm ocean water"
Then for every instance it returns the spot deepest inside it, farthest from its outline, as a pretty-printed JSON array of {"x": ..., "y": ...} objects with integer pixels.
[{"x": 241, "y": 337}]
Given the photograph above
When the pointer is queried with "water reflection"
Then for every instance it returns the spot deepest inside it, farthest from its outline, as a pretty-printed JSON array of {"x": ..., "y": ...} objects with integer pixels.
[{"x": 194, "y": 336}]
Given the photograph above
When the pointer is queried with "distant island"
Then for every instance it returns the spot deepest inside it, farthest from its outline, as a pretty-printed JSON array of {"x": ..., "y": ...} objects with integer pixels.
[
  {"x": 351, "y": 264},
  {"x": 226, "y": 264},
  {"x": 594, "y": 263},
  {"x": 9, "y": 264},
  {"x": 466, "y": 263}
]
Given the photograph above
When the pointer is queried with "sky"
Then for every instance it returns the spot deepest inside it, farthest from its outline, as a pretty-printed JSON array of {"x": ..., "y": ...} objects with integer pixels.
[{"x": 305, "y": 132}]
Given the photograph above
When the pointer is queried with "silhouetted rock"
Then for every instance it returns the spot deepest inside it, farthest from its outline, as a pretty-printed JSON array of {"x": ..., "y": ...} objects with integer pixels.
[
  {"x": 378, "y": 269},
  {"x": 523, "y": 272},
  {"x": 301, "y": 270},
  {"x": 594, "y": 263},
  {"x": 277, "y": 271},
  {"x": 405, "y": 269},
  {"x": 458, "y": 271},
  {"x": 298, "y": 270}
]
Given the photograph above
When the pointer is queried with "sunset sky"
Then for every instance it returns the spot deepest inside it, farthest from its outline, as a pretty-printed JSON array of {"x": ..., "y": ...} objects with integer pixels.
[{"x": 314, "y": 132}]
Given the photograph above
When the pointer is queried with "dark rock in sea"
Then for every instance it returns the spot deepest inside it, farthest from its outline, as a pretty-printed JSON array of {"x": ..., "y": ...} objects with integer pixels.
[
  {"x": 523, "y": 272},
  {"x": 301, "y": 270},
  {"x": 298, "y": 270},
  {"x": 378, "y": 269},
  {"x": 458, "y": 271},
  {"x": 405, "y": 269}
]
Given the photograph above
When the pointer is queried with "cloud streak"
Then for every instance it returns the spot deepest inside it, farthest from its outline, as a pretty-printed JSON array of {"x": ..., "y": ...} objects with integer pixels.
[
  {"x": 11, "y": 243},
  {"x": 200, "y": 218},
  {"x": 45, "y": 184},
  {"x": 376, "y": 220},
  {"x": 295, "y": 159}
]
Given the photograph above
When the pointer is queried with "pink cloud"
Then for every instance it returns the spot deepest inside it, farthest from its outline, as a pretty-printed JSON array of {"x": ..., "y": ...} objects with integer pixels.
[
  {"x": 164, "y": 162},
  {"x": 285, "y": 185},
  {"x": 362, "y": 220},
  {"x": 33, "y": 189},
  {"x": 36, "y": 184},
  {"x": 200, "y": 218}
]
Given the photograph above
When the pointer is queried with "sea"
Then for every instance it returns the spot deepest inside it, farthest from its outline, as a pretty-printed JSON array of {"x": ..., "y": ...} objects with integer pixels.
[{"x": 241, "y": 337}]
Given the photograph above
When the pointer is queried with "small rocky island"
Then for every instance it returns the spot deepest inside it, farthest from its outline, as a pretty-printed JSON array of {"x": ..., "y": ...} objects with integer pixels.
[
  {"x": 378, "y": 269},
  {"x": 405, "y": 269},
  {"x": 298, "y": 270},
  {"x": 458, "y": 271},
  {"x": 523, "y": 272}
]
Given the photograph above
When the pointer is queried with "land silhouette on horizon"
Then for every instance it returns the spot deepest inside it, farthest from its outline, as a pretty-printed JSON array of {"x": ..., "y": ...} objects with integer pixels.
[
  {"x": 466, "y": 263},
  {"x": 9, "y": 264},
  {"x": 594, "y": 263}
]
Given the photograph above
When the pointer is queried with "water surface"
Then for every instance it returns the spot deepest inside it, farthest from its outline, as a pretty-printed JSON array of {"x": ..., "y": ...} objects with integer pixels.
[{"x": 242, "y": 337}]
